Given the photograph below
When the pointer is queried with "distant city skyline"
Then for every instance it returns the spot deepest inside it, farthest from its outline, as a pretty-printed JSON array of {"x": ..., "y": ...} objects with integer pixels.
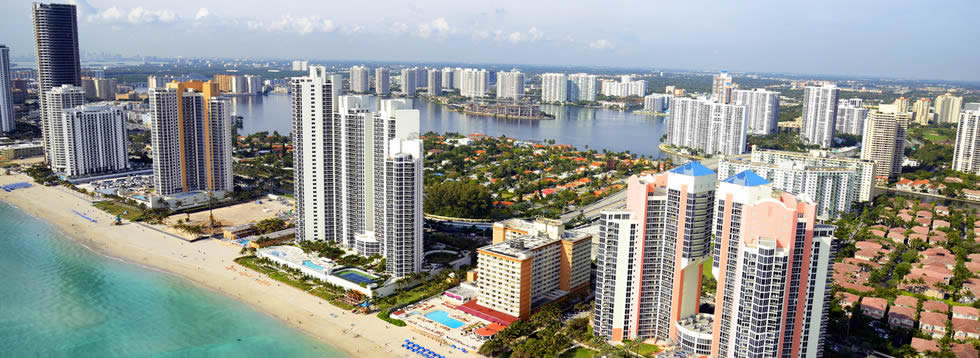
[{"x": 765, "y": 36}]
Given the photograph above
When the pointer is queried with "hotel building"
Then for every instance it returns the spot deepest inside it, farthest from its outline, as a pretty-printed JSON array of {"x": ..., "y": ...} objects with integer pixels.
[
  {"x": 191, "y": 138},
  {"x": 761, "y": 109},
  {"x": 851, "y": 116},
  {"x": 706, "y": 127},
  {"x": 359, "y": 79},
  {"x": 89, "y": 140},
  {"x": 884, "y": 140},
  {"x": 56, "y": 45},
  {"x": 358, "y": 174},
  {"x": 773, "y": 263},
  {"x": 527, "y": 271},
  {"x": 834, "y": 183},
  {"x": 554, "y": 88},
  {"x": 819, "y": 115},
  {"x": 948, "y": 108},
  {"x": 58, "y": 99},
  {"x": 510, "y": 84},
  {"x": 649, "y": 265},
  {"x": 966, "y": 153}
]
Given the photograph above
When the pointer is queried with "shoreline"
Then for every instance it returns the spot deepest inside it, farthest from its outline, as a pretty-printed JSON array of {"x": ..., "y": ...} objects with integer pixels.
[{"x": 209, "y": 264}]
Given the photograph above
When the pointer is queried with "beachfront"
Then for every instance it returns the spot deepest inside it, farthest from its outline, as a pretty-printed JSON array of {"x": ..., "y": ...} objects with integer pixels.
[{"x": 210, "y": 264}]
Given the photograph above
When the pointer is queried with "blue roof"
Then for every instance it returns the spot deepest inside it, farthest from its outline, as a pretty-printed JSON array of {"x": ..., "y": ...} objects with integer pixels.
[
  {"x": 746, "y": 178},
  {"x": 693, "y": 169}
]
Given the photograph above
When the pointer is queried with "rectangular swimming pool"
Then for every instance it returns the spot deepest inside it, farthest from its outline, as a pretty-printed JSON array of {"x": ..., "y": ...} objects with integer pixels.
[{"x": 443, "y": 318}]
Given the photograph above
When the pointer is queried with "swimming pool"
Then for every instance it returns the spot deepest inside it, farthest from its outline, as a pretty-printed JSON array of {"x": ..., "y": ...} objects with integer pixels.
[
  {"x": 354, "y": 276},
  {"x": 312, "y": 265},
  {"x": 443, "y": 318}
]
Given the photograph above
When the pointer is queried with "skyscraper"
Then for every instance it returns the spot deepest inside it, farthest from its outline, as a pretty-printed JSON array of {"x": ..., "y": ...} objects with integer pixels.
[
  {"x": 648, "y": 270},
  {"x": 6, "y": 98},
  {"x": 434, "y": 82},
  {"x": 761, "y": 109},
  {"x": 474, "y": 83},
  {"x": 722, "y": 86},
  {"x": 554, "y": 87},
  {"x": 657, "y": 102},
  {"x": 706, "y": 127},
  {"x": 948, "y": 108},
  {"x": 921, "y": 110},
  {"x": 58, "y": 99},
  {"x": 91, "y": 139},
  {"x": 902, "y": 103},
  {"x": 851, "y": 116},
  {"x": 819, "y": 115},
  {"x": 447, "y": 78},
  {"x": 772, "y": 262},
  {"x": 56, "y": 46},
  {"x": 510, "y": 84},
  {"x": 359, "y": 79},
  {"x": 358, "y": 175},
  {"x": 966, "y": 153},
  {"x": 409, "y": 81},
  {"x": 191, "y": 138},
  {"x": 884, "y": 141},
  {"x": 582, "y": 87},
  {"x": 382, "y": 81}
]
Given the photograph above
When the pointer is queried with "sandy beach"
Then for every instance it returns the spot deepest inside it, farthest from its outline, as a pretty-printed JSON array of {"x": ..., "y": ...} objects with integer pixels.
[{"x": 210, "y": 264}]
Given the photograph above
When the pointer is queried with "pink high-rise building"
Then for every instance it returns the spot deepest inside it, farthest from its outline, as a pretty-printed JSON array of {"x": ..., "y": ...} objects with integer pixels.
[
  {"x": 772, "y": 262},
  {"x": 650, "y": 256}
]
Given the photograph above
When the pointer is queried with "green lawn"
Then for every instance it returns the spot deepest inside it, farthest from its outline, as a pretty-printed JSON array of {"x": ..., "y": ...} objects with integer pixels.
[
  {"x": 131, "y": 213},
  {"x": 578, "y": 353},
  {"x": 707, "y": 268},
  {"x": 649, "y": 349}
]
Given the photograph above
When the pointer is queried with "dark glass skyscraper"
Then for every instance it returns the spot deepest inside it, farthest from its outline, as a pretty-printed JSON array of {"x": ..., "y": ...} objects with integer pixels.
[{"x": 56, "y": 45}]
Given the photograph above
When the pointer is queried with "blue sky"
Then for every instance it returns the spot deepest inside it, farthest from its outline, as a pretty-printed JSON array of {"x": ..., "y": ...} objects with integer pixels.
[{"x": 907, "y": 39}]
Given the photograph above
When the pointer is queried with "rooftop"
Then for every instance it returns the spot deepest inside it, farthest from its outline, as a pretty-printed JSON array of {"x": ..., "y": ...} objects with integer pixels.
[
  {"x": 746, "y": 178},
  {"x": 693, "y": 169}
]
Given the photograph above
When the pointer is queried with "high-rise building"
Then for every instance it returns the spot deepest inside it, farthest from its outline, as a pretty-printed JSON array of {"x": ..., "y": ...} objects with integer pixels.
[
  {"x": 761, "y": 109},
  {"x": 409, "y": 81},
  {"x": 554, "y": 88},
  {"x": 510, "y": 84},
  {"x": 7, "y": 123},
  {"x": 91, "y": 139},
  {"x": 582, "y": 87},
  {"x": 921, "y": 111},
  {"x": 447, "y": 78},
  {"x": 851, "y": 116},
  {"x": 530, "y": 270},
  {"x": 819, "y": 115},
  {"x": 300, "y": 65},
  {"x": 56, "y": 45},
  {"x": 190, "y": 133},
  {"x": 434, "y": 82},
  {"x": 884, "y": 141},
  {"x": 650, "y": 256},
  {"x": 624, "y": 88},
  {"x": 656, "y": 102},
  {"x": 105, "y": 89},
  {"x": 474, "y": 83},
  {"x": 358, "y": 175},
  {"x": 773, "y": 263},
  {"x": 382, "y": 81},
  {"x": 966, "y": 153},
  {"x": 359, "y": 77},
  {"x": 253, "y": 84},
  {"x": 972, "y": 106},
  {"x": 706, "y": 127},
  {"x": 834, "y": 183},
  {"x": 58, "y": 99},
  {"x": 902, "y": 104},
  {"x": 948, "y": 108},
  {"x": 722, "y": 86}
]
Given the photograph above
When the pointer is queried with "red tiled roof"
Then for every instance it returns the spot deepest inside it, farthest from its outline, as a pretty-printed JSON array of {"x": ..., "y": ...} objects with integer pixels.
[
  {"x": 488, "y": 314},
  {"x": 907, "y": 301},
  {"x": 874, "y": 302},
  {"x": 966, "y": 325},
  {"x": 935, "y": 306},
  {"x": 925, "y": 345},
  {"x": 966, "y": 310},
  {"x": 932, "y": 318}
]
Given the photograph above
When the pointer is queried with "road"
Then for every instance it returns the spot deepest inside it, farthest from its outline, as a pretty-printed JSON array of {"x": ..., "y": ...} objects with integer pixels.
[{"x": 615, "y": 201}]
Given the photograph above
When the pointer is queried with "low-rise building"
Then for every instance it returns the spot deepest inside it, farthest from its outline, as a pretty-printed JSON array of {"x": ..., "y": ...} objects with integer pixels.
[
  {"x": 924, "y": 345},
  {"x": 966, "y": 328},
  {"x": 906, "y": 301},
  {"x": 933, "y": 324},
  {"x": 874, "y": 307},
  {"x": 966, "y": 312},
  {"x": 901, "y": 316},
  {"x": 935, "y": 306},
  {"x": 21, "y": 151},
  {"x": 963, "y": 350},
  {"x": 239, "y": 231}
]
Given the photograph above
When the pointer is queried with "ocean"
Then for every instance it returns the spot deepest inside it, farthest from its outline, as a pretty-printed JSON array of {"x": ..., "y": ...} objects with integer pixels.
[{"x": 59, "y": 299}]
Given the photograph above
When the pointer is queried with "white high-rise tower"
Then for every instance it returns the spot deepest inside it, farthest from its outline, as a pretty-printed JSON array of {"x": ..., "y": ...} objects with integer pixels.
[
  {"x": 819, "y": 115},
  {"x": 6, "y": 98},
  {"x": 359, "y": 79}
]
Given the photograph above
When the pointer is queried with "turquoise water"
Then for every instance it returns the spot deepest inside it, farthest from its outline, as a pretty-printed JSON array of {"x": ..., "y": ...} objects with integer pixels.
[
  {"x": 312, "y": 265},
  {"x": 443, "y": 318},
  {"x": 58, "y": 299}
]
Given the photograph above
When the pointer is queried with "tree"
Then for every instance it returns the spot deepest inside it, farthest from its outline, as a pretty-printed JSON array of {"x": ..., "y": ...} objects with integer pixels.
[
  {"x": 270, "y": 225},
  {"x": 458, "y": 199}
]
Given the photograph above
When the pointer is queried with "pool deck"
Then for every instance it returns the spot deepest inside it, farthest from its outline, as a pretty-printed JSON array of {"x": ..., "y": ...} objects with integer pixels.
[{"x": 462, "y": 336}]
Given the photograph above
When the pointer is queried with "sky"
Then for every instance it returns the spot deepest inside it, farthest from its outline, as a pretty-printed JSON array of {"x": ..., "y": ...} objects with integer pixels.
[{"x": 897, "y": 39}]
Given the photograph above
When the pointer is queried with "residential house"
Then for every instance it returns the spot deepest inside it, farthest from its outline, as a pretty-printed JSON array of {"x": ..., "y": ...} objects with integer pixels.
[
  {"x": 966, "y": 312},
  {"x": 966, "y": 328},
  {"x": 924, "y": 345},
  {"x": 901, "y": 316},
  {"x": 874, "y": 307},
  {"x": 933, "y": 324}
]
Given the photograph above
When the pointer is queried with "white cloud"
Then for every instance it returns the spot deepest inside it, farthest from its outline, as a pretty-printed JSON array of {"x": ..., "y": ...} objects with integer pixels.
[
  {"x": 532, "y": 34},
  {"x": 514, "y": 37},
  {"x": 601, "y": 44},
  {"x": 439, "y": 27},
  {"x": 111, "y": 14},
  {"x": 136, "y": 15},
  {"x": 398, "y": 28},
  {"x": 201, "y": 13},
  {"x": 299, "y": 25}
]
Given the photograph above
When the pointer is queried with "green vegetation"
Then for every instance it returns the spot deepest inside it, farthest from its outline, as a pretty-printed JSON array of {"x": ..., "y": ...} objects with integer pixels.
[
  {"x": 647, "y": 349},
  {"x": 578, "y": 352},
  {"x": 780, "y": 141},
  {"x": 270, "y": 225},
  {"x": 458, "y": 199},
  {"x": 125, "y": 211},
  {"x": 790, "y": 113},
  {"x": 41, "y": 174},
  {"x": 297, "y": 279}
]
